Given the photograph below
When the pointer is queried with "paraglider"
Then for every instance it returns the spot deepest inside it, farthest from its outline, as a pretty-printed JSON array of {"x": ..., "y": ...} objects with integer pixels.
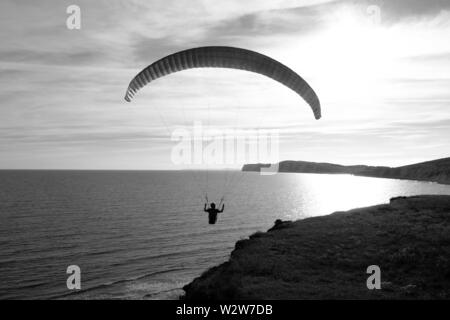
[
  {"x": 212, "y": 212},
  {"x": 225, "y": 57}
]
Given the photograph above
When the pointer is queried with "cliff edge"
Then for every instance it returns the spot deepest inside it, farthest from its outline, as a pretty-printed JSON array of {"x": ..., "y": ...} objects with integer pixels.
[{"x": 327, "y": 257}]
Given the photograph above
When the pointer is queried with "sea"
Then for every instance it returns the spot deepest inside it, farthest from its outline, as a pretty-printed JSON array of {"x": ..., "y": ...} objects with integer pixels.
[{"x": 143, "y": 234}]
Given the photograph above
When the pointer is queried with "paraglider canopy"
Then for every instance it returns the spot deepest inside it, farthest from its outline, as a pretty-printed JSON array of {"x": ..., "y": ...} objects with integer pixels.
[{"x": 225, "y": 57}]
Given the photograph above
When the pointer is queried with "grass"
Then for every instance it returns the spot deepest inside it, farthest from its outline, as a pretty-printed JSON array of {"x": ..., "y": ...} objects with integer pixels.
[{"x": 327, "y": 257}]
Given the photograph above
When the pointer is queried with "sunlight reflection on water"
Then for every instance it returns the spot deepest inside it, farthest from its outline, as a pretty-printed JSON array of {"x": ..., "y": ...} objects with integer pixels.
[{"x": 144, "y": 234}]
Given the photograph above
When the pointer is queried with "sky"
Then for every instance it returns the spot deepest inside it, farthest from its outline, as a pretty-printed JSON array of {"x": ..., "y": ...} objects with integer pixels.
[{"x": 380, "y": 68}]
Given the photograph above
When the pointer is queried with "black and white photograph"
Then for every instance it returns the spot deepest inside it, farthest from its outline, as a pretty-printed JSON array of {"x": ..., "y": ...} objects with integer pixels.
[{"x": 217, "y": 151}]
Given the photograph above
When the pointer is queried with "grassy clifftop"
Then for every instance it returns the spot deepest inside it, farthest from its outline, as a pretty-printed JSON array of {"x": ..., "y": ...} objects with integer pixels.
[{"x": 327, "y": 257}]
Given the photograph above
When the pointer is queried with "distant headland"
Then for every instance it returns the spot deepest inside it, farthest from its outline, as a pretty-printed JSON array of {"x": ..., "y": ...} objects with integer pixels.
[
  {"x": 435, "y": 170},
  {"x": 406, "y": 242}
]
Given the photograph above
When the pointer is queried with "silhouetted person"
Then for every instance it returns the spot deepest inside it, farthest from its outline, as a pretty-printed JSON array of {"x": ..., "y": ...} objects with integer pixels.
[{"x": 212, "y": 212}]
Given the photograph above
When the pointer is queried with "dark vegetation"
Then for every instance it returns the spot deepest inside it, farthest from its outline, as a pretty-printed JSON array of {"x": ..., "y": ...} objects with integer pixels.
[
  {"x": 436, "y": 170},
  {"x": 327, "y": 257}
]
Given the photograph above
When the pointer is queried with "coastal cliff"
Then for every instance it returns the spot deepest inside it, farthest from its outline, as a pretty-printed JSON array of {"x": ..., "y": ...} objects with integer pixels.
[
  {"x": 434, "y": 171},
  {"x": 327, "y": 257}
]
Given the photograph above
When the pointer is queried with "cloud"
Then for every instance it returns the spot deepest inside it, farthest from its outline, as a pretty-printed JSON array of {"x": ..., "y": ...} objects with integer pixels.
[
  {"x": 269, "y": 23},
  {"x": 440, "y": 57},
  {"x": 52, "y": 58},
  {"x": 62, "y": 90},
  {"x": 407, "y": 9},
  {"x": 398, "y": 11}
]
